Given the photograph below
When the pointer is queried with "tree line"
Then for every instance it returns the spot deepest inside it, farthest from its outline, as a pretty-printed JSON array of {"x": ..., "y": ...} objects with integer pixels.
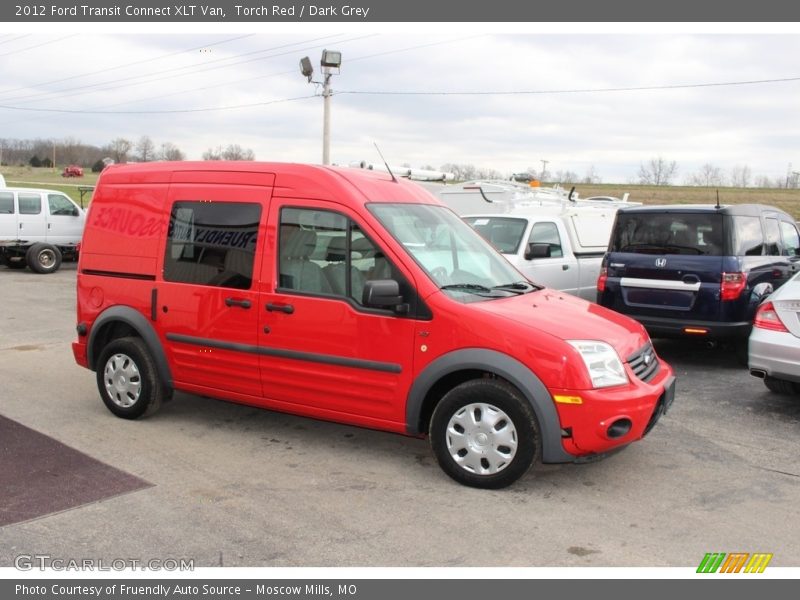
[{"x": 69, "y": 151}]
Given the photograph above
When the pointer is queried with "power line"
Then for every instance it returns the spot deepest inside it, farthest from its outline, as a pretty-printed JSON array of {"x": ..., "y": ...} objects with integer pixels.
[
  {"x": 677, "y": 86},
  {"x": 38, "y": 45},
  {"x": 153, "y": 112},
  {"x": 125, "y": 65},
  {"x": 204, "y": 68},
  {"x": 16, "y": 38}
]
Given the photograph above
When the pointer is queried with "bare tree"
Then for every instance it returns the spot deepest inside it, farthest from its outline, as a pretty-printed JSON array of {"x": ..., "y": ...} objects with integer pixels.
[
  {"x": 740, "y": 176},
  {"x": 591, "y": 177},
  {"x": 236, "y": 152},
  {"x": 213, "y": 153},
  {"x": 567, "y": 177},
  {"x": 119, "y": 149},
  {"x": 170, "y": 151},
  {"x": 762, "y": 181},
  {"x": 657, "y": 171},
  {"x": 708, "y": 176},
  {"x": 146, "y": 149}
]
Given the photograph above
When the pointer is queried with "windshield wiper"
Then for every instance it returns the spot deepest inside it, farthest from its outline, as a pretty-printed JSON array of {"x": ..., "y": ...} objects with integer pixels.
[
  {"x": 469, "y": 287},
  {"x": 522, "y": 286}
]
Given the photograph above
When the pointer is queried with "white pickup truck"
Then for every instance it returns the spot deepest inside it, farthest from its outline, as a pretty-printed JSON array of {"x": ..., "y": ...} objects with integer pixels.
[
  {"x": 561, "y": 248},
  {"x": 38, "y": 228}
]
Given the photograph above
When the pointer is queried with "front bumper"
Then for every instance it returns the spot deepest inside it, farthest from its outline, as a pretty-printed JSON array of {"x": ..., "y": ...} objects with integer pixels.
[
  {"x": 610, "y": 418},
  {"x": 775, "y": 353}
]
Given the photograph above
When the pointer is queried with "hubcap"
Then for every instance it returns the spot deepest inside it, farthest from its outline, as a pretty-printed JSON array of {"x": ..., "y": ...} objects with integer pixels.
[
  {"x": 481, "y": 439},
  {"x": 123, "y": 382},
  {"x": 47, "y": 258}
]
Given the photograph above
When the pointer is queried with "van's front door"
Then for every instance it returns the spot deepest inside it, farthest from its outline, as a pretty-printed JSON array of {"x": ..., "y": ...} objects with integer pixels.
[
  {"x": 323, "y": 352},
  {"x": 207, "y": 304},
  {"x": 64, "y": 220}
]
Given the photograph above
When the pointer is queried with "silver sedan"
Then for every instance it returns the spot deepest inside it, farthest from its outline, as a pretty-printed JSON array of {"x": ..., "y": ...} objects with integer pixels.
[{"x": 774, "y": 349}]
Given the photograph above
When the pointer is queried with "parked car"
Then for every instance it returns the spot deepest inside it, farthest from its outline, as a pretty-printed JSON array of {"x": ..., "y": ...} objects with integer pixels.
[
  {"x": 697, "y": 271},
  {"x": 774, "y": 350},
  {"x": 38, "y": 228},
  {"x": 72, "y": 171},
  {"x": 347, "y": 295},
  {"x": 560, "y": 248}
]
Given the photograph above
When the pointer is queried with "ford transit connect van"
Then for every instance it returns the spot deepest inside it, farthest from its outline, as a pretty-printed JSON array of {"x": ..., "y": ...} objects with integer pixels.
[
  {"x": 697, "y": 270},
  {"x": 346, "y": 295}
]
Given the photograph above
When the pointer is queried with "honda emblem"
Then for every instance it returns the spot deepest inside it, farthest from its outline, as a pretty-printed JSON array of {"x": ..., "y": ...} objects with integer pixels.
[{"x": 661, "y": 262}]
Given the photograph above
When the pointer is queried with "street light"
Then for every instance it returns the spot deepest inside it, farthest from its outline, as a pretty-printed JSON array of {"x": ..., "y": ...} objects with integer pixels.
[{"x": 331, "y": 59}]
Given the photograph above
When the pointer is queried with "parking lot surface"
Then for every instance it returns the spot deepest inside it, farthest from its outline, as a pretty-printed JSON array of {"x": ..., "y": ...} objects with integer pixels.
[{"x": 232, "y": 485}]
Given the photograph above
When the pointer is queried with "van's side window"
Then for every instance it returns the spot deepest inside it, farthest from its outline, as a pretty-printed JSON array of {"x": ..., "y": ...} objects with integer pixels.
[
  {"x": 29, "y": 204},
  {"x": 323, "y": 252},
  {"x": 6, "y": 203},
  {"x": 773, "y": 238},
  {"x": 212, "y": 243},
  {"x": 791, "y": 239},
  {"x": 60, "y": 205},
  {"x": 547, "y": 233}
]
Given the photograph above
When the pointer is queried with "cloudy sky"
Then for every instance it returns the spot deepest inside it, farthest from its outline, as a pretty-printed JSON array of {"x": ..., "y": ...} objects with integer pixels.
[{"x": 449, "y": 94}]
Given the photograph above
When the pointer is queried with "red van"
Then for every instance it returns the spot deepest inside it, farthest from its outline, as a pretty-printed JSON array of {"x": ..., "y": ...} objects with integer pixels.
[{"x": 346, "y": 295}]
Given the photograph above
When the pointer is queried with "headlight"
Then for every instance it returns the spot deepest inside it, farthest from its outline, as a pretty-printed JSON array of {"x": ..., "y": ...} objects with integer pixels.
[{"x": 602, "y": 361}]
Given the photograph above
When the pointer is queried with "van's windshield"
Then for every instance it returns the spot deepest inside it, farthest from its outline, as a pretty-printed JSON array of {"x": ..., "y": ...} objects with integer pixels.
[
  {"x": 689, "y": 233},
  {"x": 458, "y": 260}
]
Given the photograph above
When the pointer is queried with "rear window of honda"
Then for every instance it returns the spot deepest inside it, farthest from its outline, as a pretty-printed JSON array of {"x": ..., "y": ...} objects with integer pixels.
[{"x": 669, "y": 233}]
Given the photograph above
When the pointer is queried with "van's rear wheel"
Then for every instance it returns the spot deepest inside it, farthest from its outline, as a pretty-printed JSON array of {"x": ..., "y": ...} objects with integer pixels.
[
  {"x": 128, "y": 380},
  {"x": 43, "y": 258},
  {"x": 484, "y": 434}
]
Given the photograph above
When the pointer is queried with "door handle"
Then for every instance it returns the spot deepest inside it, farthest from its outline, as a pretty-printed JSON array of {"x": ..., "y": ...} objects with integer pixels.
[
  {"x": 565, "y": 267},
  {"x": 284, "y": 308},
  {"x": 238, "y": 302}
]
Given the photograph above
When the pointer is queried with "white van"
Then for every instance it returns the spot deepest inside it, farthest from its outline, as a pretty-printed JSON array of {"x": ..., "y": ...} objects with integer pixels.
[
  {"x": 561, "y": 248},
  {"x": 38, "y": 228}
]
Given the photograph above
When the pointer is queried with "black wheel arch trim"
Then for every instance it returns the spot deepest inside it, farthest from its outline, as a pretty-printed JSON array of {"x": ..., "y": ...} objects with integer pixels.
[
  {"x": 136, "y": 320},
  {"x": 510, "y": 369}
]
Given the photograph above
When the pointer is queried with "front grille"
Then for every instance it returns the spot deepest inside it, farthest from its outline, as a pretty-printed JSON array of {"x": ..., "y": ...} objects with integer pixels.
[{"x": 644, "y": 363}]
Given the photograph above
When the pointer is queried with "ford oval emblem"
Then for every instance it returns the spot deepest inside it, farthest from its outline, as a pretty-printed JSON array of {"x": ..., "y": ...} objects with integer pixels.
[{"x": 661, "y": 262}]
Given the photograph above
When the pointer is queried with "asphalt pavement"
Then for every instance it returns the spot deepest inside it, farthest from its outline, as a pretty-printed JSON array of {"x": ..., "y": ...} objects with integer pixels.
[{"x": 232, "y": 485}]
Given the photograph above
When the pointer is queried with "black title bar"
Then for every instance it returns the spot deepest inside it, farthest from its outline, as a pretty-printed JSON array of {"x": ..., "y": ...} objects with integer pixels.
[{"x": 374, "y": 11}]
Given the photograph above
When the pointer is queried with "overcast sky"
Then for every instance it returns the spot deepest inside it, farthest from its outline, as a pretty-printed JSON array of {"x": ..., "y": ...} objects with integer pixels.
[{"x": 246, "y": 89}]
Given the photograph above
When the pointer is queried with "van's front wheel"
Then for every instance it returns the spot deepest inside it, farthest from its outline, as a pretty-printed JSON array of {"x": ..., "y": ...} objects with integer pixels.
[
  {"x": 128, "y": 380},
  {"x": 484, "y": 434}
]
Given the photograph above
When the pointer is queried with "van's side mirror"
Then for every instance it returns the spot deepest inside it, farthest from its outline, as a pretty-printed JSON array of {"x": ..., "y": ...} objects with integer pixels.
[
  {"x": 383, "y": 293},
  {"x": 537, "y": 250}
]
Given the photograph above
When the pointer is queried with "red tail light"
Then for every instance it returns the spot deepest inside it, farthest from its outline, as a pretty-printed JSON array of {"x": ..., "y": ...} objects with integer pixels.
[
  {"x": 601, "y": 279},
  {"x": 732, "y": 285},
  {"x": 767, "y": 318}
]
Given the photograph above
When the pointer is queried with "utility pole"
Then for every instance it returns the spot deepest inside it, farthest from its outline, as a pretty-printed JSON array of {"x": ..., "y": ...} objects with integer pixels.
[
  {"x": 331, "y": 59},
  {"x": 544, "y": 168},
  {"x": 326, "y": 115}
]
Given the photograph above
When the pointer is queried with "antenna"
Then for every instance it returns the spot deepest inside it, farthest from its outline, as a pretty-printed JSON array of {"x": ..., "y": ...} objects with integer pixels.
[
  {"x": 384, "y": 162},
  {"x": 717, "y": 206}
]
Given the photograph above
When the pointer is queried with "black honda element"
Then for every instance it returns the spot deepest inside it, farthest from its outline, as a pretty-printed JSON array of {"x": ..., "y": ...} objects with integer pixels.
[{"x": 691, "y": 270}]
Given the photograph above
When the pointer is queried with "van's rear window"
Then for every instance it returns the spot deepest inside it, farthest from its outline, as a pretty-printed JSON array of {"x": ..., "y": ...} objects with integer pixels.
[{"x": 669, "y": 233}]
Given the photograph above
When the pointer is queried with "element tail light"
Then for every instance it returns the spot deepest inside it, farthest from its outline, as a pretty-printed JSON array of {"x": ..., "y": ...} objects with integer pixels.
[
  {"x": 601, "y": 279},
  {"x": 732, "y": 285}
]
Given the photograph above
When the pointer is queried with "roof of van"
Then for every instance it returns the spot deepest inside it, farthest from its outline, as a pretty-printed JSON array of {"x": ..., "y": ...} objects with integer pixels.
[
  {"x": 291, "y": 179},
  {"x": 728, "y": 209}
]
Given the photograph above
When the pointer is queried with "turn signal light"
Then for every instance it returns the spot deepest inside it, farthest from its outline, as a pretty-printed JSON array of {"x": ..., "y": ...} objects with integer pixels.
[
  {"x": 767, "y": 318},
  {"x": 732, "y": 285}
]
